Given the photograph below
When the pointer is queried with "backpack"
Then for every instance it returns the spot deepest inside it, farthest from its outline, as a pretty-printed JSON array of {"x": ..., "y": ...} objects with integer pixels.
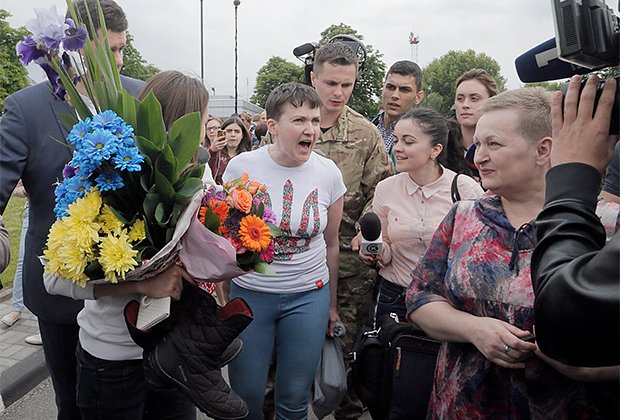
[{"x": 393, "y": 369}]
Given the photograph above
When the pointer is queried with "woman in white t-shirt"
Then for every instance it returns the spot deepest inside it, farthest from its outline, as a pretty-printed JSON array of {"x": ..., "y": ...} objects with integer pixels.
[
  {"x": 295, "y": 308},
  {"x": 411, "y": 204}
]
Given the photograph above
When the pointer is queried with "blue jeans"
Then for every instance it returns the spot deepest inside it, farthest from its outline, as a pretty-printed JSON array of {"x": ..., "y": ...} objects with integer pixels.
[
  {"x": 116, "y": 389},
  {"x": 18, "y": 294},
  {"x": 296, "y": 325},
  {"x": 391, "y": 298}
]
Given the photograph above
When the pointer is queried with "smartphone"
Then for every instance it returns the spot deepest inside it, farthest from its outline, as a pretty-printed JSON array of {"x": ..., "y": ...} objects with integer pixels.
[
  {"x": 530, "y": 338},
  {"x": 221, "y": 133}
]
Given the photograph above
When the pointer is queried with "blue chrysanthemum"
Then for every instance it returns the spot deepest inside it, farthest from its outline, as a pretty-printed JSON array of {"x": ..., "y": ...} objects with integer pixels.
[
  {"x": 109, "y": 181},
  {"x": 79, "y": 131},
  {"x": 99, "y": 145},
  {"x": 128, "y": 159},
  {"x": 85, "y": 164},
  {"x": 68, "y": 191},
  {"x": 107, "y": 119}
]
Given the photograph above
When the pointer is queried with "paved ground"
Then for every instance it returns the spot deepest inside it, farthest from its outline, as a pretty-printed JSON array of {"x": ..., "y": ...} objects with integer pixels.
[{"x": 22, "y": 365}]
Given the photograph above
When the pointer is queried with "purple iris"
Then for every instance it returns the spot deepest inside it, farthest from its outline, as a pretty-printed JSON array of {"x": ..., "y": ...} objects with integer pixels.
[
  {"x": 57, "y": 89},
  {"x": 75, "y": 37},
  {"x": 28, "y": 51},
  {"x": 68, "y": 171}
]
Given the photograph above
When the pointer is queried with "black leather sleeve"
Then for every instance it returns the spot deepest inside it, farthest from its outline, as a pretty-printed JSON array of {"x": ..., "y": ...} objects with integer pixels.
[{"x": 575, "y": 274}]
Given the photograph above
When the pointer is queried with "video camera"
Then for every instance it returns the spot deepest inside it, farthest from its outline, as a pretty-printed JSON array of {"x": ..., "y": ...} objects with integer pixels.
[
  {"x": 587, "y": 38},
  {"x": 309, "y": 49}
]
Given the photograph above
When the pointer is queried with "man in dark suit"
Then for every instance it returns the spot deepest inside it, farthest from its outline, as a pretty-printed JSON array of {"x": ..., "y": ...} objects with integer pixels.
[{"x": 34, "y": 149}]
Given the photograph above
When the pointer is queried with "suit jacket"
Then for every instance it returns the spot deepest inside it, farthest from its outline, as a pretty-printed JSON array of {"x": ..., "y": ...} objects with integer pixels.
[{"x": 33, "y": 148}]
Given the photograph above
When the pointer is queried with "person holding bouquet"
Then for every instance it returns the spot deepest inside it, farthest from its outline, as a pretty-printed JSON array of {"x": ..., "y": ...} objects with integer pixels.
[
  {"x": 30, "y": 131},
  {"x": 111, "y": 381},
  {"x": 294, "y": 308}
]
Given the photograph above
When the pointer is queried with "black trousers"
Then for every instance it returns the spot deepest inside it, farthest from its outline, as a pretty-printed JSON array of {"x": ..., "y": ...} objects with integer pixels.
[{"x": 59, "y": 344}]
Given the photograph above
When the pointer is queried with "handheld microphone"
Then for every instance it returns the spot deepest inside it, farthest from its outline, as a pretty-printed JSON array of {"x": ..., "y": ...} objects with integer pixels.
[
  {"x": 542, "y": 63},
  {"x": 304, "y": 49},
  {"x": 372, "y": 241}
]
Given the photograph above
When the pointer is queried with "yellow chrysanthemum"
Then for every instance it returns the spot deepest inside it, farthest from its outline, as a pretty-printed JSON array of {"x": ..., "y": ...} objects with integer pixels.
[
  {"x": 57, "y": 234},
  {"x": 81, "y": 233},
  {"x": 116, "y": 256},
  {"x": 137, "y": 232},
  {"x": 110, "y": 223},
  {"x": 74, "y": 263},
  {"x": 86, "y": 208}
]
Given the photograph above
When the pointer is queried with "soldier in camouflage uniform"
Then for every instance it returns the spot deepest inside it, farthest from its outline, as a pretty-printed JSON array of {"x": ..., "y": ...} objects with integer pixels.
[{"x": 356, "y": 146}]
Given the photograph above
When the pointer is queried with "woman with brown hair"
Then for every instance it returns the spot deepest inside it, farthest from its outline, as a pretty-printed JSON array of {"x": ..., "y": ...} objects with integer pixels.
[
  {"x": 235, "y": 141},
  {"x": 473, "y": 88},
  {"x": 111, "y": 381}
]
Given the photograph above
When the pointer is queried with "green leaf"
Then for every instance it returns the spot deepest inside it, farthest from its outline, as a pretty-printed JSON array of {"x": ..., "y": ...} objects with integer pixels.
[
  {"x": 264, "y": 268},
  {"x": 164, "y": 187},
  {"x": 166, "y": 164},
  {"x": 150, "y": 122},
  {"x": 195, "y": 170},
  {"x": 189, "y": 187},
  {"x": 261, "y": 210},
  {"x": 147, "y": 148},
  {"x": 128, "y": 108},
  {"x": 274, "y": 230},
  {"x": 161, "y": 215},
  {"x": 212, "y": 222},
  {"x": 184, "y": 138},
  {"x": 151, "y": 201}
]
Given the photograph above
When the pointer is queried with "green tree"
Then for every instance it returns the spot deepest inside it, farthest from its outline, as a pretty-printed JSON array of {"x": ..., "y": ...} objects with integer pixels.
[
  {"x": 441, "y": 74},
  {"x": 275, "y": 72},
  {"x": 550, "y": 86},
  {"x": 13, "y": 76},
  {"x": 134, "y": 65},
  {"x": 367, "y": 93}
]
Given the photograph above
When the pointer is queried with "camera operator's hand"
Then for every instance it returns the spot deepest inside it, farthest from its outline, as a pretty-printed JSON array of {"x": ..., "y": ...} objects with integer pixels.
[{"x": 578, "y": 135}]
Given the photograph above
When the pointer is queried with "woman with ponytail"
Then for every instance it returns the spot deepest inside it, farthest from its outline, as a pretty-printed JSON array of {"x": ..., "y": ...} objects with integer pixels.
[{"x": 412, "y": 203}]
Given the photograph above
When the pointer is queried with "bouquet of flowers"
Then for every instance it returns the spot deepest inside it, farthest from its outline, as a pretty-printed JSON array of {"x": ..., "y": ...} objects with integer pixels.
[
  {"x": 237, "y": 228},
  {"x": 130, "y": 180}
]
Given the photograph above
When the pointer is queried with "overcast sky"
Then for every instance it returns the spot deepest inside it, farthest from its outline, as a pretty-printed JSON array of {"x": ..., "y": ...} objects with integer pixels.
[{"x": 167, "y": 32}]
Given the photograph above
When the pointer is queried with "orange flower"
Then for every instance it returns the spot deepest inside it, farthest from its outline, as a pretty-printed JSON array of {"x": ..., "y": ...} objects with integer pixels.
[
  {"x": 253, "y": 187},
  {"x": 244, "y": 178},
  {"x": 202, "y": 214},
  {"x": 220, "y": 209},
  {"x": 241, "y": 200},
  {"x": 254, "y": 233}
]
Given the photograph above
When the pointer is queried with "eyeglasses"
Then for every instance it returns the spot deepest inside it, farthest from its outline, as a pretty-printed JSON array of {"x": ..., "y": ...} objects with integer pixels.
[{"x": 214, "y": 128}]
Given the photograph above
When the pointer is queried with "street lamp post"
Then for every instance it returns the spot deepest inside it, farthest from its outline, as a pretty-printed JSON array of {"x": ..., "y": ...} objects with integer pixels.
[
  {"x": 236, "y": 3},
  {"x": 202, "y": 46}
]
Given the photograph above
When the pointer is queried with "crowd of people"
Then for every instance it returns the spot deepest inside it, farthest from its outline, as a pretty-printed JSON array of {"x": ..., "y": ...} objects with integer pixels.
[{"x": 472, "y": 213}]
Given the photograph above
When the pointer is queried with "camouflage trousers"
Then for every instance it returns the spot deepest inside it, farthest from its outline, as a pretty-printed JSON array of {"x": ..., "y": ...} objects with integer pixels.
[{"x": 355, "y": 307}]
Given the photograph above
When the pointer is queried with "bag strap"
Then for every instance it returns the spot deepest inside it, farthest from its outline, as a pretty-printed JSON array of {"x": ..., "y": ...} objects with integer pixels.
[{"x": 454, "y": 189}]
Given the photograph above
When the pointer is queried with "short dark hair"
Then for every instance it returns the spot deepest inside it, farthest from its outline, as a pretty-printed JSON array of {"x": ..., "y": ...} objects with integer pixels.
[
  {"x": 336, "y": 53},
  {"x": 295, "y": 94},
  {"x": 407, "y": 68},
  {"x": 113, "y": 14}
]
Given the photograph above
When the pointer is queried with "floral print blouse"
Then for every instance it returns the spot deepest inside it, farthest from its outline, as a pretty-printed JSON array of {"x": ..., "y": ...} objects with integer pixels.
[{"x": 480, "y": 264}]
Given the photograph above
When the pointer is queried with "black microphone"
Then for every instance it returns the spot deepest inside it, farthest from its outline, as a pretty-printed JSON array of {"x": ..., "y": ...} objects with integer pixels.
[
  {"x": 542, "y": 63},
  {"x": 372, "y": 241},
  {"x": 304, "y": 49}
]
